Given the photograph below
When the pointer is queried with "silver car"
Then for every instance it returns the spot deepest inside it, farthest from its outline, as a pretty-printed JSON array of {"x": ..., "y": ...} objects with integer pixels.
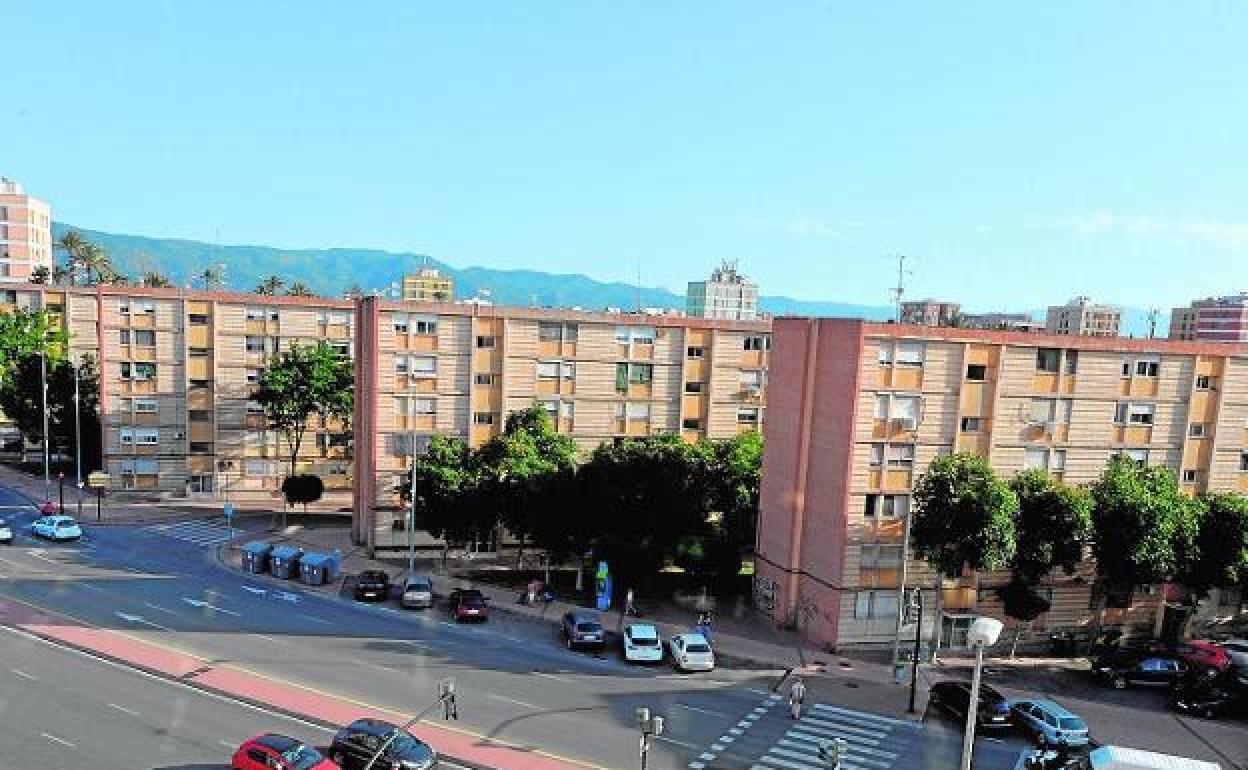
[
  {"x": 1050, "y": 722},
  {"x": 417, "y": 593}
]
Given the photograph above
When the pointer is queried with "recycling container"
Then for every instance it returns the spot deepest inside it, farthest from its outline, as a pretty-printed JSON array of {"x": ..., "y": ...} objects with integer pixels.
[
  {"x": 284, "y": 561},
  {"x": 314, "y": 568},
  {"x": 256, "y": 557}
]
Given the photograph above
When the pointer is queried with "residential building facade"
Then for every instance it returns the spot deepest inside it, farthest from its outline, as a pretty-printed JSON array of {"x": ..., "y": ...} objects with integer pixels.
[
  {"x": 857, "y": 411},
  {"x": 1215, "y": 319},
  {"x": 1019, "y": 322},
  {"x": 728, "y": 295},
  {"x": 428, "y": 285},
  {"x": 930, "y": 312},
  {"x": 25, "y": 233},
  {"x": 1082, "y": 317}
]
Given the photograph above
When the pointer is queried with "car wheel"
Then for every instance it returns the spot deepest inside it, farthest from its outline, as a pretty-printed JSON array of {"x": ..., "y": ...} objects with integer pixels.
[{"x": 1119, "y": 683}]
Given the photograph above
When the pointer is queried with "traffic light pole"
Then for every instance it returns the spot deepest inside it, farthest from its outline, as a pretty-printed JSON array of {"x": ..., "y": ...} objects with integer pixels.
[{"x": 918, "y": 636}]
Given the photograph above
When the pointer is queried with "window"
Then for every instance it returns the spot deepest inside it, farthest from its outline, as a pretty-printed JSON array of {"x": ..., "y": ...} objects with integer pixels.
[
  {"x": 1147, "y": 367},
  {"x": 971, "y": 424},
  {"x": 639, "y": 335},
  {"x": 632, "y": 374},
  {"x": 1057, "y": 461},
  {"x": 199, "y": 415},
  {"x": 550, "y": 331},
  {"x": 748, "y": 415},
  {"x": 548, "y": 370},
  {"x": 910, "y": 353},
  {"x": 691, "y": 423},
  {"x": 253, "y": 376},
  {"x": 254, "y": 407},
  {"x": 1138, "y": 455},
  {"x": 1196, "y": 430},
  {"x": 482, "y": 418},
  {"x": 254, "y": 314},
  {"x": 1205, "y": 382},
  {"x": 485, "y": 341},
  {"x": 1045, "y": 410},
  {"x": 399, "y": 323},
  {"x": 875, "y": 456},
  {"x": 197, "y": 319},
  {"x": 875, "y": 604},
  {"x": 200, "y": 384},
  {"x": 881, "y": 406},
  {"x": 976, "y": 372},
  {"x": 752, "y": 379},
  {"x": 1243, "y": 461},
  {"x": 123, "y": 336},
  {"x": 1070, "y": 364},
  {"x": 905, "y": 411},
  {"x": 551, "y": 408},
  {"x": 757, "y": 342},
  {"x": 201, "y": 447},
  {"x": 146, "y": 436},
  {"x": 887, "y": 506},
  {"x": 901, "y": 455},
  {"x": 885, "y": 352},
  {"x": 423, "y": 324},
  {"x": 567, "y": 409},
  {"x": 1036, "y": 460},
  {"x": 144, "y": 371},
  {"x": 694, "y": 387},
  {"x": 409, "y": 407},
  {"x": 125, "y": 436},
  {"x": 145, "y": 406},
  {"x": 1047, "y": 359},
  {"x": 637, "y": 411},
  {"x": 343, "y": 349},
  {"x": 1140, "y": 414},
  {"x": 1190, "y": 475},
  {"x": 138, "y": 467},
  {"x": 695, "y": 352},
  {"x": 258, "y": 467},
  {"x": 423, "y": 366},
  {"x": 145, "y": 337},
  {"x": 400, "y": 365},
  {"x": 255, "y": 344},
  {"x": 484, "y": 378},
  {"x": 198, "y": 352},
  {"x": 1126, "y": 368}
]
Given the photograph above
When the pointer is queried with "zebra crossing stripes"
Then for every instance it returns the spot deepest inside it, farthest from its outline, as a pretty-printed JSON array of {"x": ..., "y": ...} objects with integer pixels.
[
  {"x": 868, "y": 739},
  {"x": 203, "y": 533}
]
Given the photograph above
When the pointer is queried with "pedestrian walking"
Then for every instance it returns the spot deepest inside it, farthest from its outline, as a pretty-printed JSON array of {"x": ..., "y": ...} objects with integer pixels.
[
  {"x": 629, "y": 608},
  {"x": 797, "y": 694}
]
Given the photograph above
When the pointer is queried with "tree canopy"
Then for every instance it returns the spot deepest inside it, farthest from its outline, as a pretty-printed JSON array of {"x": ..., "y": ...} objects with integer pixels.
[
  {"x": 1221, "y": 552},
  {"x": 963, "y": 515},
  {"x": 300, "y": 383},
  {"x": 1053, "y": 525}
]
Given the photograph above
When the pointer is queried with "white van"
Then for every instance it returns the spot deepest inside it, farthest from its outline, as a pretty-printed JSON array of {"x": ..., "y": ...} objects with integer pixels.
[{"x": 1119, "y": 758}]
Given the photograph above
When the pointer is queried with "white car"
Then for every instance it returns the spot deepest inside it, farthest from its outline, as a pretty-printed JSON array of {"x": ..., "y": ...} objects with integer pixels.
[
  {"x": 57, "y": 528},
  {"x": 691, "y": 652},
  {"x": 642, "y": 643},
  {"x": 6, "y": 533}
]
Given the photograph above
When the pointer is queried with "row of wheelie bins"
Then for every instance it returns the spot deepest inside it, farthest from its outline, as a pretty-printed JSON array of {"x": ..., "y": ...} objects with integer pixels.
[{"x": 290, "y": 562}]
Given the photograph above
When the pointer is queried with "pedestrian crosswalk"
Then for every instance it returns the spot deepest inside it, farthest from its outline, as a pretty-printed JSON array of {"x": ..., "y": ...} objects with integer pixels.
[
  {"x": 869, "y": 740},
  {"x": 203, "y": 533}
]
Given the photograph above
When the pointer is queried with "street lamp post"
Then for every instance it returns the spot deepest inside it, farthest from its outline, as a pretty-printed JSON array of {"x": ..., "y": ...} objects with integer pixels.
[
  {"x": 60, "y": 477},
  {"x": 43, "y": 392},
  {"x": 901, "y": 605},
  {"x": 411, "y": 514},
  {"x": 916, "y": 604},
  {"x": 983, "y": 632},
  {"x": 77, "y": 442},
  {"x": 651, "y": 725}
]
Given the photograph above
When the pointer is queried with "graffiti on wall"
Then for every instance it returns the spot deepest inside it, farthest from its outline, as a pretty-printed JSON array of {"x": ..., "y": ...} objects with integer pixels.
[{"x": 765, "y": 595}]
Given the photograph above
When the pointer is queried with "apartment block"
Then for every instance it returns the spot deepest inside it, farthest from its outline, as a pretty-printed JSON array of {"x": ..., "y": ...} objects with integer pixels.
[
  {"x": 428, "y": 285},
  {"x": 461, "y": 369},
  {"x": 930, "y": 312},
  {"x": 1082, "y": 317},
  {"x": 1215, "y": 319},
  {"x": 25, "y": 232},
  {"x": 858, "y": 410},
  {"x": 728, "y": 295}
]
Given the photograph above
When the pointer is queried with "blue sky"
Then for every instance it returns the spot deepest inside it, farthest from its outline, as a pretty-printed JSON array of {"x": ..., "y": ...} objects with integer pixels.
[{"x": 1020, "y": 153}]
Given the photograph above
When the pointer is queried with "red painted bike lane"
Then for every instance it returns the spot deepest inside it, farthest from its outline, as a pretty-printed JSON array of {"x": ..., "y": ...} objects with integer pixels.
[{"x": 264, "y": 691}]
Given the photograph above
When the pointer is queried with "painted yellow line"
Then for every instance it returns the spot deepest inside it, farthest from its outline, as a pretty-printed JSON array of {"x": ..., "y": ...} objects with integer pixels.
[{"x": 336, "y": 696}]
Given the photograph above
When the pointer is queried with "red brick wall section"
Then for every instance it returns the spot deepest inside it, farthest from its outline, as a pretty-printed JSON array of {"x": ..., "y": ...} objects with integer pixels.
[{"x": 364, "y": 489}]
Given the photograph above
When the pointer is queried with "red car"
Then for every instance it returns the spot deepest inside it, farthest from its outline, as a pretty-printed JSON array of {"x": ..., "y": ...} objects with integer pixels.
[
  {"x": 468, "y": 604},
  {"x": 270, "y": 750},
  {"x": 47, "y": 508},
  {"x": 1206, "y": 654}
]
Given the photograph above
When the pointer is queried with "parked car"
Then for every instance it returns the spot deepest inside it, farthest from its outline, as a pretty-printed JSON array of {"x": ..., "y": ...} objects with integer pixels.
[
  {"x": 1212, "y": 692},
  {"x": 691, "y": 652},
  {"x": 642, "y": 643},
  {"x": 47, "y": 508},
  {"x": 468, "y": 604},
  {"x": 270, "y": 750},
  {"x": 953, "y": 696},
  {"x": 582, "y": 628},
  {"x": 372, "y": 584},
  {"x": 1207, "y": 654},
  {"x": 57, "y": 528},
  {"x": 1049, "y": 722},
  {"x": 1139, "y": 668},
  {"x": 6, "y": 533},
  {"x": 417, "y": 593},
  {"x": 354, "y": 746}
]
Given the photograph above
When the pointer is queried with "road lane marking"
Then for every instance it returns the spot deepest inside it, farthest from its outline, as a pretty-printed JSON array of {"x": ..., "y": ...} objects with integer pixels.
[
  {"x": 516, "y": 702},
  {"x": 678, "y": 743},
  {"x": 61, "y": 741},
  {"x": 313, "y": 618},
  {"x": 226, "y": 743},
  {"x": 158, "y": 608},
  {"x": 552, "y": 676},
  {"x": 257, "y": 591},
  {"x": 141, "y": 620},
  {"x": 23, "y": 674},
  {"x": 380, "y": 667},
  {"x": 757, "y": 691},
  {"x": 123, "y": 709},
  {"x": 198, "y": 604},
  {"x": 708, "y": 712},
  {"x": 268, "y": 638}
]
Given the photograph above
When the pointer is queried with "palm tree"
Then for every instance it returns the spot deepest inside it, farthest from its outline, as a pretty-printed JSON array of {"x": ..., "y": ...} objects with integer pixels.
[
  {"x": 156, "y": 280},
  {"x": 271, "y": 285},
  {"x": 61, "y": 275},
  {"x": 40, "y": 274},
  {"x": 300, "y": 289},
  {"x": 213, "y": 277},
  {"x": 73, "y": 244},
  {"x": 95, "y": 258}
]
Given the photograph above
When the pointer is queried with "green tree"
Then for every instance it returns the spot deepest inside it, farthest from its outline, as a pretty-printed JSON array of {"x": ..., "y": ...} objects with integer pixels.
[
  {"x": 735, "y": 474},
  {"x": 447, "y": 480},
  {"x": 270, "y": 285},
  {"x": 213, "y": 277},
  {"x": 94, "y": 259},
  {"x": 963, "y": 516},
  {"x": 25, "y": 333},
  {"x": 74, "y": 245},
  {"x": 21, "y": 400},
  {"x": 304, "y": 488},
  {"x": 156, "y": 280},
  {"x": 1221, "y": 545},
  {"x": 41, "y": 274},
  {"x": 303, "y": 382},
  {"x": 299, "y": 289}
]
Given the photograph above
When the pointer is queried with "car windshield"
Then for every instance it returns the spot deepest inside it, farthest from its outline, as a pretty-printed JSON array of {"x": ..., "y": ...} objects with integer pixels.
[
  {"x": 302, "y": 757},
  {"x": 472, "y": 601},
  {"x": 697, "y": 647},
  {"x": 418, "y": 585},
  {"x": 645, "y": 641},
  {"x": 1071, "y": 723},
  {"x": 406, "y": 744},
  {"x": 588, "y": 628},
  {"x": 64, "y": 524}
]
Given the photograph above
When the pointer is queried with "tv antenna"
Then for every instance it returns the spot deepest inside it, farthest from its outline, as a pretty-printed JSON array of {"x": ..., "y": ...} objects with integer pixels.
[
  {"x": 1153, "y": 315},
  {"x": 899, "y": 290}
]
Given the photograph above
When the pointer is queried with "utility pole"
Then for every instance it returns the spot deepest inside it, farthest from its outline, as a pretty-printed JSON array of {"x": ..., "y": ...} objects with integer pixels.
[
  {"x": 411, "y": 515},
  {"x": 899, "y": 290},
  {"x": 43, "y": 391},
  {"x": 901, "y": 596},
  {"x": 78, "y": 439}
]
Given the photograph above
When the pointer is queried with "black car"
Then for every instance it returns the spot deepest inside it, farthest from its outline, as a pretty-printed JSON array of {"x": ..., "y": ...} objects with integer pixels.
[
  {"x": 372, "y": 584},
  {"x": 953, "y": 696},
  {"x": 358, "y": 742},
  {"x": 1212, "y": 692},
  {"x": 1140, "y": 668},
  {"x": 582, "y": 629}
]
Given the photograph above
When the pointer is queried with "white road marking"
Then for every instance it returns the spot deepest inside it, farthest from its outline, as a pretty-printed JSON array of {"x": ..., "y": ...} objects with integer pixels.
[
  {"x": 736, "y": 731},
  {"x": 380, "y": 667},
  {"x": 708, "y": 712},
  {"x": 61, "y": 741},
  {"x": 717, "y": 747},
  {"x": 123, "y": 709},
  {"x": 23, "y": 674},
  {"x": 516, "y": 702},
  {"x": 692, "y": 765},
  {"x": 141, "y": 620},
  {"x": 678, "y": 743},
  {"x": 89, "y": 587},
  {"x": 158, "y": 608},
  {"x": 552, "y": 676},
  {"x": 268, "y": 638},
  {"x": 756, "y": 691},
  {"x": 206, "y": 606},
  {"x": 313, "y": 618},
  {"x": 226, "y": 743},
  {"x": 254, "y": 590}
]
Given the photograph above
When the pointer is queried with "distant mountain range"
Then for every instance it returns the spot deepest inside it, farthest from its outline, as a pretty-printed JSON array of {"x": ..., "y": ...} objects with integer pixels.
[{"x": 331, "y": 272}]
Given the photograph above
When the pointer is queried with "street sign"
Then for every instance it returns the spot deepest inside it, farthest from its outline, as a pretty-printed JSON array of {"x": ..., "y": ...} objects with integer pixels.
[{"x": 98, "y": 480}]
